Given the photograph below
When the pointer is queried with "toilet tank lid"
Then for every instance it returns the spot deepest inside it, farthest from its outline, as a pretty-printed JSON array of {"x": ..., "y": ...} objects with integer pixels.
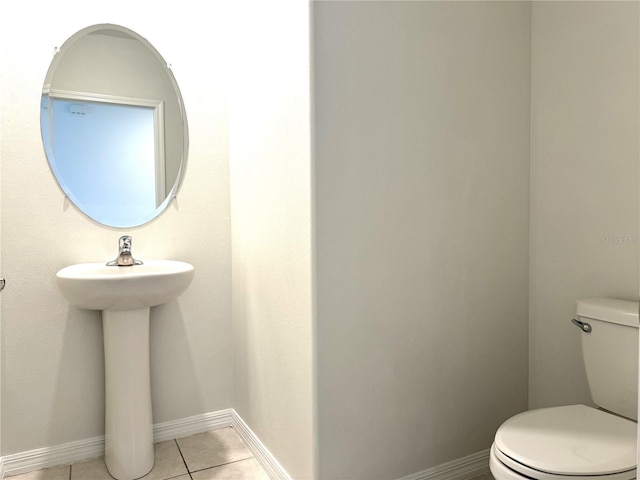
[{"x": 623, "y": 312}]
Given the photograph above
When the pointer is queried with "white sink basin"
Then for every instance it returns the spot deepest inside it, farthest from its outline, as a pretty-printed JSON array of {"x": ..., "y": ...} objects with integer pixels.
[
  {"x": 125, "y": 296},
  {"x": 94, "y": 286}
]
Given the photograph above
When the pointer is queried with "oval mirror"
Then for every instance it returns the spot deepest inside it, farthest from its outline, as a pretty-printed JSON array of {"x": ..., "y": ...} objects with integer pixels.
[{"x": 114, "y": 126}]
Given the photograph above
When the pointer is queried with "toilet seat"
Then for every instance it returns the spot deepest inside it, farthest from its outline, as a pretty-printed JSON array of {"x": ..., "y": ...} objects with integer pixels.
[
  {"x": 504, "y": 468},
  {"x": 567, "y": 443}
]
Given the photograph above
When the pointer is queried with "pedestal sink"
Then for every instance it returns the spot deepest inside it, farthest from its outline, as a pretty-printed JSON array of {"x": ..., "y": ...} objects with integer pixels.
[{"x": 125, "y": 295}]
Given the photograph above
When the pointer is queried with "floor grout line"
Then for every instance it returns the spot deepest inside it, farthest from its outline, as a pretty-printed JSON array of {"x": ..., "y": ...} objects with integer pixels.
[
  {"x": 221, "y": 465},
  {"x": 183, "y": 460}
]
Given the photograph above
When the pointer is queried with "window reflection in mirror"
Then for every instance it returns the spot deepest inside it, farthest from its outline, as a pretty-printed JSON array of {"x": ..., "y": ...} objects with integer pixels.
[{"x": 113, "y": 126}]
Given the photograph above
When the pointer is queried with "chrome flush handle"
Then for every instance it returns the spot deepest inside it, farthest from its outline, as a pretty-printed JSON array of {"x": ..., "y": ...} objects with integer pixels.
[{"x": 584, "y": 326}]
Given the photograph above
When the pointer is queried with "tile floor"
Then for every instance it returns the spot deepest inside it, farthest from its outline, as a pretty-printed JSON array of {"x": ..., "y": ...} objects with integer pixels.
[
  {"x": 484, "y": 476},
  {"x": 215, "y": 455}
]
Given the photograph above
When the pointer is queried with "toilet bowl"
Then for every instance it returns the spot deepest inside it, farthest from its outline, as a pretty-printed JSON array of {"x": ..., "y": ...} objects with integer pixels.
[{"x": 579, "y": 442}]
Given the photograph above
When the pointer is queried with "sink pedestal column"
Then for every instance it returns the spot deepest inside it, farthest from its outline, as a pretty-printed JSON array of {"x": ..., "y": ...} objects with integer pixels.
[{"x": 128, "y": 418}]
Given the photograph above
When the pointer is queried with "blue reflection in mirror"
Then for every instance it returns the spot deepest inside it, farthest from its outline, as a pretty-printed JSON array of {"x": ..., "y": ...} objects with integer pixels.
[{"x": 104, "y": 157}]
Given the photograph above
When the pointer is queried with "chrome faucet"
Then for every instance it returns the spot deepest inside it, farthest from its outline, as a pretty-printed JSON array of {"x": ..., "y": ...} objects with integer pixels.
[{"x": 124, "y": 259}]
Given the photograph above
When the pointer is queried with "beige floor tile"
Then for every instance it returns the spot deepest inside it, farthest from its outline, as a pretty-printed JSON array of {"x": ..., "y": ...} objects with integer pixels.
[
  {"x": 484, "y": 476},
  {"x": 53, "y": 473},
  {"x": 93, "y": 469},
  {"x": 168, "y": 464},
  {"x": 212, "y": 449},
  {"x": 243, "y": 470}
]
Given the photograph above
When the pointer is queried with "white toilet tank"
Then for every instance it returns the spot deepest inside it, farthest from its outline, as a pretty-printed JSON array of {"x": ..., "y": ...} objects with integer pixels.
[{"x": 610, "y": 353}]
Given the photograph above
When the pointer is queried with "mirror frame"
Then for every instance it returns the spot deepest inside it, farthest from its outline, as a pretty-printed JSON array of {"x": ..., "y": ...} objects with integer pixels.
[{"x": 171, "y": 193}]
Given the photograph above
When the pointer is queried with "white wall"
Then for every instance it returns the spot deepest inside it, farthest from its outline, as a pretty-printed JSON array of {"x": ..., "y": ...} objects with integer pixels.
[
  {"x": 584, "y": 178},
  {"x": 271, "y": 226},
  {"x": 422, "y": 191},
  {"x": 52, "y": 365}
]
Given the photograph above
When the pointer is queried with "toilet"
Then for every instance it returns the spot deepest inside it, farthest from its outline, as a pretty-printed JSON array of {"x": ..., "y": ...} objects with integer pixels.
[{"x": 579, "y": 442}]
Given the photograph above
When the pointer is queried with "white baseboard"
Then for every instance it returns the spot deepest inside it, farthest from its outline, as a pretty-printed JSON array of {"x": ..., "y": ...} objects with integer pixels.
[
  {"x": 460, "y": 469},
  {"x": 192, "y": 425},
  {"x": 63, "y": 454},
  {"x": 14, "y": 464},
  {"x": 258, "y": 449},
  {"x": 80, "y": 450}
]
